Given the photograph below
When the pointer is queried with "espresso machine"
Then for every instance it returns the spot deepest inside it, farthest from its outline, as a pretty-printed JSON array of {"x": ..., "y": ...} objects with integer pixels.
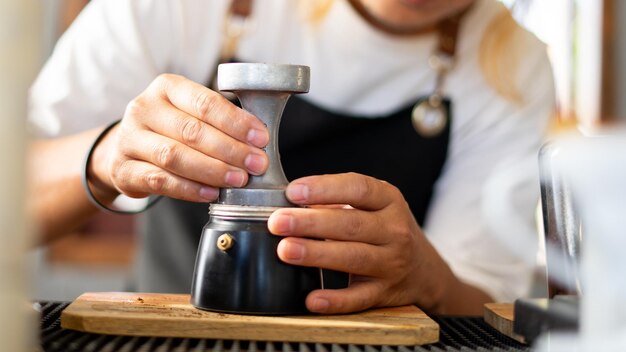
[{"x": 237, "y": 269}]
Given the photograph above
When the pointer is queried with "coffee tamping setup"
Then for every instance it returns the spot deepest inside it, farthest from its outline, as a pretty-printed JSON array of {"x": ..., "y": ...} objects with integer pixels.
[{"x": 237, "y": 269}]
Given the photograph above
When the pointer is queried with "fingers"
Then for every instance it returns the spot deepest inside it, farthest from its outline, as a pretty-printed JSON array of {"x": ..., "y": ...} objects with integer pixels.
[
  {"x": 173, "y": 123},
  {"x": 352, "y": 257},
  {"x": 328, "y": 223},
  {"x": 212, "y": 108},
  {"x": 374, "y": 241},
  {"x": 139, "y": 179},
  {"x": 183, "y": 161},
  {"x": 193, "y": 139},
  {"x": 359, "y": 191},
  {"x": 359, "y": 296}
]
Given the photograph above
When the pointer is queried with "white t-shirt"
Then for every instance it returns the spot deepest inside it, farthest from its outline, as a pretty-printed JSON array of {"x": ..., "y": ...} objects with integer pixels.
[{"x": 116, "y": 48}]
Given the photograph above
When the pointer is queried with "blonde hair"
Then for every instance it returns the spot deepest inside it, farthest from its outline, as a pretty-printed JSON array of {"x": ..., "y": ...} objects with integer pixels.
[
  {"x": 315, "y": 10},
  {"x": 498, "y": 54}
]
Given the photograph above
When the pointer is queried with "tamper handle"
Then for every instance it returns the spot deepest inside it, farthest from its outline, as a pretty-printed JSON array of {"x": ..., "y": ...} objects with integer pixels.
[{"x": 268, "y": 106}]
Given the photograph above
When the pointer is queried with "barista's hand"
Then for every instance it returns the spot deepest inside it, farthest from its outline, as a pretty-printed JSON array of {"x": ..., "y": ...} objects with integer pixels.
[
  {"x": 376, "y": 239},
  {"x": 180, "y": 139}
]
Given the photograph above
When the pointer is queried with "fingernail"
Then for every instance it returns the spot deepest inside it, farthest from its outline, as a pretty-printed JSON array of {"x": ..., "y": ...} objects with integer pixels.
[
  {"x": 258, "y": 138},
  {"x": 255, "y": 163},
  {"x": 209, "y": 193},
  {"x": 292, "y": 251},
  {"x": 283, "y": 223},
  {"x": 320, "y": 305},
  {"x": 235, "y": 178},
  {"x": 297, "y": 192}
]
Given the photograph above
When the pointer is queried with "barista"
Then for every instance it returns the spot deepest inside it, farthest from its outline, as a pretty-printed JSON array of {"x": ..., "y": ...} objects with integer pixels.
[{"x": 401, "y": 204}]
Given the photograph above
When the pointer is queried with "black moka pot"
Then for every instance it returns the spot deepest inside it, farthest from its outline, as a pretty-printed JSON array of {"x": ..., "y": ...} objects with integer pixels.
[{"x": 237, "y": 269}]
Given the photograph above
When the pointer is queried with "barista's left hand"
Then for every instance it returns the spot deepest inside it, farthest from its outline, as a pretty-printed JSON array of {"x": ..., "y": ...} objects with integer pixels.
[{"x": 376, "y": 239}]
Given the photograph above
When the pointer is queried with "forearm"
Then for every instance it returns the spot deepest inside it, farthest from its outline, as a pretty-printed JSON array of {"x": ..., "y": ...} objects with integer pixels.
[{"x": 58, "y": 202}]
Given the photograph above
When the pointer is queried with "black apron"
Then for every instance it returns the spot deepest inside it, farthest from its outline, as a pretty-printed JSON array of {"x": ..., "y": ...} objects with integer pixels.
[{"x": 312, "y": 141}]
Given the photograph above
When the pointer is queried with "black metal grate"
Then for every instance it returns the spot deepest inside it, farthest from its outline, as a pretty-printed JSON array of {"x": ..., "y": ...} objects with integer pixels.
[{"x": 457, "y": 334}]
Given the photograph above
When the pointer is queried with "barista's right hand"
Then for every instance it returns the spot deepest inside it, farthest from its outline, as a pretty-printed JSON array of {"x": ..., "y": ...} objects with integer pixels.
[{"x": 182, "y": 140}]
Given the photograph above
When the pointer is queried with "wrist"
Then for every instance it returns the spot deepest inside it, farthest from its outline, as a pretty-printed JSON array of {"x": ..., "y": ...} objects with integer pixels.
[
  {"x": 96, "y": 170},
  {"x": 460, "y": 298},
  {"x": 435, "y": 279},
  {"x": 440, "y": 291},
  {"x": 444, "y": 297}
]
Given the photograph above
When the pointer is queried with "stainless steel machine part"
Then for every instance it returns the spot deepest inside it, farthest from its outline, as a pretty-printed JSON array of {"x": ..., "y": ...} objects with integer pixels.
[{"x": 562, "y": 225}]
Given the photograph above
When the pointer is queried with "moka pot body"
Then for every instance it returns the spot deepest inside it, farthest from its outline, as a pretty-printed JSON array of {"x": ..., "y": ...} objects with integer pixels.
[{"x": 248, "y": 277}]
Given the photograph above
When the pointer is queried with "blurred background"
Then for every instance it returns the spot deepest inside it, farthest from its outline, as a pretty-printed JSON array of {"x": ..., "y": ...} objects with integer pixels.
[
  {"x": 587, "y": 45},
  {"x": 98, "y": 257}
]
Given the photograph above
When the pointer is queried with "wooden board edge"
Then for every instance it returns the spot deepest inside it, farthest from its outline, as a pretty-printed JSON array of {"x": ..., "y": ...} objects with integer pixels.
[
  {"x": 116, "y": 326},
  {"x": 72, "y": 322},
  {"x": 498, "y": 322}
]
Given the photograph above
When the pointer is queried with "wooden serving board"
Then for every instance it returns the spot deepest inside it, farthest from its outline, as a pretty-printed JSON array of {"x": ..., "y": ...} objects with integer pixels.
[
  {"x": 501, "y": 317},
  {"x": 171, "y": 315}
]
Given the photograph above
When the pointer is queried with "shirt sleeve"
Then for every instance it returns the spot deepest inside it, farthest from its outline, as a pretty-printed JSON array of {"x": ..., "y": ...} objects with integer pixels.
[
  {"x": 113, "y": 51},
  {"x": 496, "y": 140}
]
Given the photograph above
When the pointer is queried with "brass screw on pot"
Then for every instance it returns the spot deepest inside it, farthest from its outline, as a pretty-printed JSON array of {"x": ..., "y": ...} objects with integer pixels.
[{"x": 225, "y": 242}]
